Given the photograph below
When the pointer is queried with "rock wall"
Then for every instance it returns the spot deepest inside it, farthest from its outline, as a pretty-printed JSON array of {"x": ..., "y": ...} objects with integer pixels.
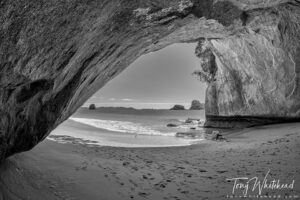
[
  {"x": 257, "y": 74},
  {"x": 55, "y": 54}
]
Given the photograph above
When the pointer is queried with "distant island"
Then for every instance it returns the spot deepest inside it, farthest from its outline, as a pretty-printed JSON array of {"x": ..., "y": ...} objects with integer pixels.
[
  {"x": 195, "y": 105},
  {"x": 177, "y": 107},
  {"x": 92, "y": 107}
]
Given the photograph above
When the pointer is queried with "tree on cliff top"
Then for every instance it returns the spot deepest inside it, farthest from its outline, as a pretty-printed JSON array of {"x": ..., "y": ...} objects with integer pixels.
[{"x": 208, "y": 68}]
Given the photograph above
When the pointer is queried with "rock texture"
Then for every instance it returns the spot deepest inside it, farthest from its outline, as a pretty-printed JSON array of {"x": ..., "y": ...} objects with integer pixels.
[
  {"x": 256, "y": 74},
  {"x": 55, "y": 54}
]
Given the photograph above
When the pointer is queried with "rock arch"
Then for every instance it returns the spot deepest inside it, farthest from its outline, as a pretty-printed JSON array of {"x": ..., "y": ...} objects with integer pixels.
[{"x": 55, "y": 54}]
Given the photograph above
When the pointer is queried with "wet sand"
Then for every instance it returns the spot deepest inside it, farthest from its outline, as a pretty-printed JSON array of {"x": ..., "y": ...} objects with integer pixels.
[{"x": 80, "y": 171}]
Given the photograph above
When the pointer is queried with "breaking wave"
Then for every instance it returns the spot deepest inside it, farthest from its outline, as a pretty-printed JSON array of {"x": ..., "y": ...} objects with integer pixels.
[{"x": 121, "y": 126}]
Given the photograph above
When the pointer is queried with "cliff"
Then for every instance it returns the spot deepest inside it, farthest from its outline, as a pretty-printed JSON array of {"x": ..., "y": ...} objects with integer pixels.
[{"x": 54, "y": 55}]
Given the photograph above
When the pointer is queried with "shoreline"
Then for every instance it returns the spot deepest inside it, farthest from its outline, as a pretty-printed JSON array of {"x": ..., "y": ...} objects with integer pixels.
[
  {"x": 65, "y": 139},
  {"x": 77, "y": 171},
  {"x": 72, "y": 130}
]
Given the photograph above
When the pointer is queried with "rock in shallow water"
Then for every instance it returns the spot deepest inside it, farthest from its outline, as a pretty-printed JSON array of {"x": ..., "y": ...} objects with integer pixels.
[
  {"x": 172, "y": 125},
  {"x": 55, "y": 55}
]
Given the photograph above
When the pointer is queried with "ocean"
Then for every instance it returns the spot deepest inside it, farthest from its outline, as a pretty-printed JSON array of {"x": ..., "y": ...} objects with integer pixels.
[{"x": 128, "y": 127}]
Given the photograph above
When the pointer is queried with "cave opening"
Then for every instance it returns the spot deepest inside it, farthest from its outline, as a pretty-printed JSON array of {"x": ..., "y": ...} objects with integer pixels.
[
  {"x": 157, "y": 95},
  {"x": 157, "y": 80},
  {"x": 55, "y": 55}
]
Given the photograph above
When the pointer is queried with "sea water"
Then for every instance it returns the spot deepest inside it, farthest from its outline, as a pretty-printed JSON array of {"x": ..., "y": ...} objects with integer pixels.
[{"x": 121, "y": 127}]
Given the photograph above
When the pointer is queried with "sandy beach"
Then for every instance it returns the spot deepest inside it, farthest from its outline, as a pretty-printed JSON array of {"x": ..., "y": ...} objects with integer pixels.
[{"x": 80, "y": 171}]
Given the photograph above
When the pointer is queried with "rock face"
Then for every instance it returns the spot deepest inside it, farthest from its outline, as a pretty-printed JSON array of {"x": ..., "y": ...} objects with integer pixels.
[
  {"x": 54, "y": 55},
  {"x": 196, "y": 105},
  {"x": 256, "y": 75},
  {"x": 177, "y": 107}
]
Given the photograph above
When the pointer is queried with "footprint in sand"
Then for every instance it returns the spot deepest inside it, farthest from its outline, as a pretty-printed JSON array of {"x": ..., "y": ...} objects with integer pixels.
[
  {"x": 133, "y": 183},
  {"x": 159, "y": 185},
  {"x": 221, "y": 171},
  {"x": 188, "y": 175},
  {"x": 184, "y": 192},
  {"x": 149, "y": 161},
  {"x": 145, "y": 177},
  {"x": 143, "y": 194}
]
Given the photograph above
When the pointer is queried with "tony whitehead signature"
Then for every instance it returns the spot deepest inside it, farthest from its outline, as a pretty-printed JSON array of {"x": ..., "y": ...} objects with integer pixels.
[{"x": 254, "y": 184}]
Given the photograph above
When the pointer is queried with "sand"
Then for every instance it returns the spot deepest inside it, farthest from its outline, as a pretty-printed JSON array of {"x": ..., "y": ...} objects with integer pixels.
[{"x": 79, "y": 171}]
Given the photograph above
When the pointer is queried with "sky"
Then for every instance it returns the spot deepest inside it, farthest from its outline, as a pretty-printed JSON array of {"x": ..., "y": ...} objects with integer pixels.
[{"x": 156, "y": 80}]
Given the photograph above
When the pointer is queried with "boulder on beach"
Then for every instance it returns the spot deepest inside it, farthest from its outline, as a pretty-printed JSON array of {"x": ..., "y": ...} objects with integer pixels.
[
  {"x": 191, "y": 120},
  {"x": 178, "y": 107},
  {"x": 196, "y": 105},
  {"x": 216, "y": 135},
  {"x": 92, "y": 107}
]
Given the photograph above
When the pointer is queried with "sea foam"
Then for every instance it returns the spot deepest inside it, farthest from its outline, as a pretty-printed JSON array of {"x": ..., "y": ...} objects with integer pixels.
[{"x": 122, "y": 126}]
